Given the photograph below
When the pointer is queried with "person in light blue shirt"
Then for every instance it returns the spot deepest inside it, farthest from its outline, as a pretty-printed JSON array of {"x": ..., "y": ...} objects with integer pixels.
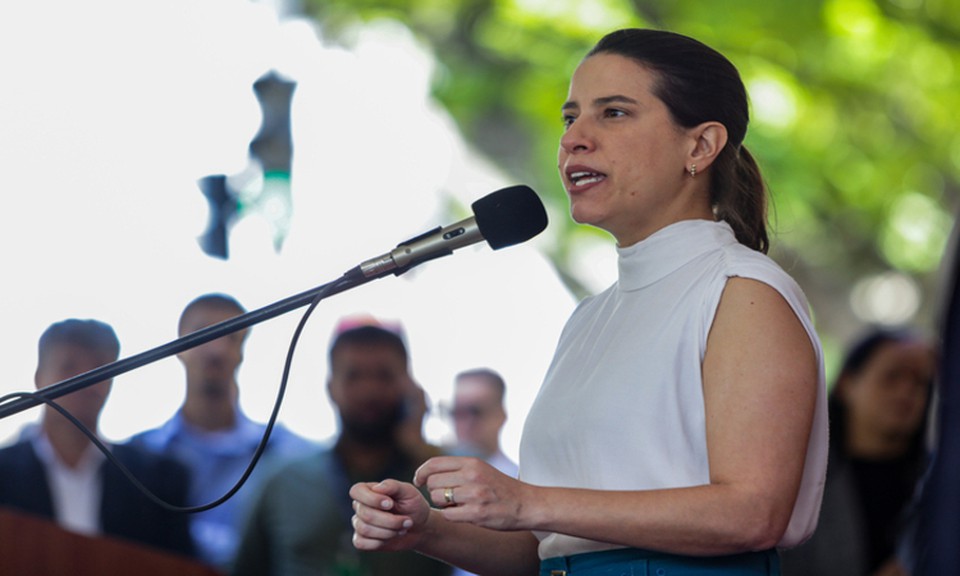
[
  {"x": 478, "y": 415},
  {"x": 211, "y": 435}
]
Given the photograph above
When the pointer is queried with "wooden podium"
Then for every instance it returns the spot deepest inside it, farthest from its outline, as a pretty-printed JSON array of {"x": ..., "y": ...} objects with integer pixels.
[{"x": 32, "y": 546}]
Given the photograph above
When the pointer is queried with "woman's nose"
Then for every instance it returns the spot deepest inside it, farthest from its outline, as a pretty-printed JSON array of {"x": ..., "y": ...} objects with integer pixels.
[{"x": 576, "y": 138}]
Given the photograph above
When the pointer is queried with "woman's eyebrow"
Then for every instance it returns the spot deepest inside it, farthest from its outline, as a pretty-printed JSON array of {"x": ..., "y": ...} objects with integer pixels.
[{"x": 601, "y": 101}]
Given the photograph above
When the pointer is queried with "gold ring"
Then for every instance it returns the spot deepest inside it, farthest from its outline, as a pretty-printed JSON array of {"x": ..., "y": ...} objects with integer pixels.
[{"x": 448, "y": 496}]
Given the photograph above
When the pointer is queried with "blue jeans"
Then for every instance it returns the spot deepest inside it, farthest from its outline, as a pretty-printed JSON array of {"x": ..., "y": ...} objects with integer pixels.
[{"x": 636, "y": 562}]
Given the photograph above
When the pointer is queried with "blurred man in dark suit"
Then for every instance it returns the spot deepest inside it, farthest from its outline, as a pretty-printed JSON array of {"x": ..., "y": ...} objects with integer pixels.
[{"x": 56, "y": 472}]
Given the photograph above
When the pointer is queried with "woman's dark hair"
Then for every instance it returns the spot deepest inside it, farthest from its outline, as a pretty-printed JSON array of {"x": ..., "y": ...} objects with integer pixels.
[{"x": 698, "y": 84}]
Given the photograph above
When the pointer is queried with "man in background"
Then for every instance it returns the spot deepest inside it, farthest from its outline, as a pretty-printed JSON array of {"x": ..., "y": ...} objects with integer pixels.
[
  {"x": 478, "y": 415},
  {"x": 212, "y": 436},
  {"x": 300, "y": 523},
  {"x": 54, "y": 471}
]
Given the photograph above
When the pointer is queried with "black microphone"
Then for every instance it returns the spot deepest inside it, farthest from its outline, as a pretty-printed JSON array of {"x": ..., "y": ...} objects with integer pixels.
[{"x": 503, "y": 218}]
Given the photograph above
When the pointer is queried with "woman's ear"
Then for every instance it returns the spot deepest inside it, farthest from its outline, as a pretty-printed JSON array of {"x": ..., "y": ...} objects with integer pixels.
[{"x": 709, "y": 139}]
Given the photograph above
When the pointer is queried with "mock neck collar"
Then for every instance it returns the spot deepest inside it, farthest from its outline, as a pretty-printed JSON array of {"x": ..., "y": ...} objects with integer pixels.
[{"x": 668, "y": 249}]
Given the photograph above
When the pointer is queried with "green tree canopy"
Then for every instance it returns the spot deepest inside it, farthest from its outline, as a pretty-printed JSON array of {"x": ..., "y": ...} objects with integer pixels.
[{"x": 853, "y": 107}]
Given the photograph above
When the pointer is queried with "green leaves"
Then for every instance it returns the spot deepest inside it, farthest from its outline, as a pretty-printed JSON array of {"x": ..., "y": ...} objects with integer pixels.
[{"x": 854, "y": 106}]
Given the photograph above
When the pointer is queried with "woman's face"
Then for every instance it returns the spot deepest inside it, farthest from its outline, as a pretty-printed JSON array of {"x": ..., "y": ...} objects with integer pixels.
[
  {"x": 888, "y": 395},
  {"x": 622, "y": 158}
]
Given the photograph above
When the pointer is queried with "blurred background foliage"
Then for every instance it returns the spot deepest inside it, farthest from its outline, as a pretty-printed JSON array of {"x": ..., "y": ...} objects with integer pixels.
[{"x": 854, "y": 121}]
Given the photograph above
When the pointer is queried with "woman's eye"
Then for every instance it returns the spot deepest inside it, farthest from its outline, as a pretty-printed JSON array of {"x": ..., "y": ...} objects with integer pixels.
[
  {"x": 567, "y": 120},
  {"x": 613, "y": 113}
]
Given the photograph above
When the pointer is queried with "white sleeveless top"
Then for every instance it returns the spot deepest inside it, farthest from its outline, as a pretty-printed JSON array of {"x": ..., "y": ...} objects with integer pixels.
[{"x": 621, "y": 407}]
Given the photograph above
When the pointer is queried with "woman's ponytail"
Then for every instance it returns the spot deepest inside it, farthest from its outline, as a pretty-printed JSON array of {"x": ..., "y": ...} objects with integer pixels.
[{"x": 740, "y": 197}]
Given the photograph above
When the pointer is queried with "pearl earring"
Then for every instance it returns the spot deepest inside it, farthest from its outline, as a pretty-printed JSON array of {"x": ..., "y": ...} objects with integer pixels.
[{"x": 692, "y": 170}]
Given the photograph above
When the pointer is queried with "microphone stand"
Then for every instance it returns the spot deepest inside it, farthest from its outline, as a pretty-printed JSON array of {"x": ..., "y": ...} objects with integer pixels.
[{"x": 351, "y": 279}]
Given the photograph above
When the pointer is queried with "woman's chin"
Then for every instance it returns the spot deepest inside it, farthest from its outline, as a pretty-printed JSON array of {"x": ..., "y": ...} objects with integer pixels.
[{"x": 583, "y": 214}]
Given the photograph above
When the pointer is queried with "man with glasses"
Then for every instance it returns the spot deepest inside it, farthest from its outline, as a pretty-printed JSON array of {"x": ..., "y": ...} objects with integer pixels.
[{"x": 478, "y": 417}]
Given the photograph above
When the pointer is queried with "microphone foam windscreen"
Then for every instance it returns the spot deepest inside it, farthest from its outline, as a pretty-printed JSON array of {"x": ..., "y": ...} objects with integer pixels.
[{"x": 509, "y": 216}]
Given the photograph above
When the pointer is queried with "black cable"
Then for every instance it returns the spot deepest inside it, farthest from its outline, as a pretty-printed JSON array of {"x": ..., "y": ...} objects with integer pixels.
[{"x": 331, "y": 288}]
